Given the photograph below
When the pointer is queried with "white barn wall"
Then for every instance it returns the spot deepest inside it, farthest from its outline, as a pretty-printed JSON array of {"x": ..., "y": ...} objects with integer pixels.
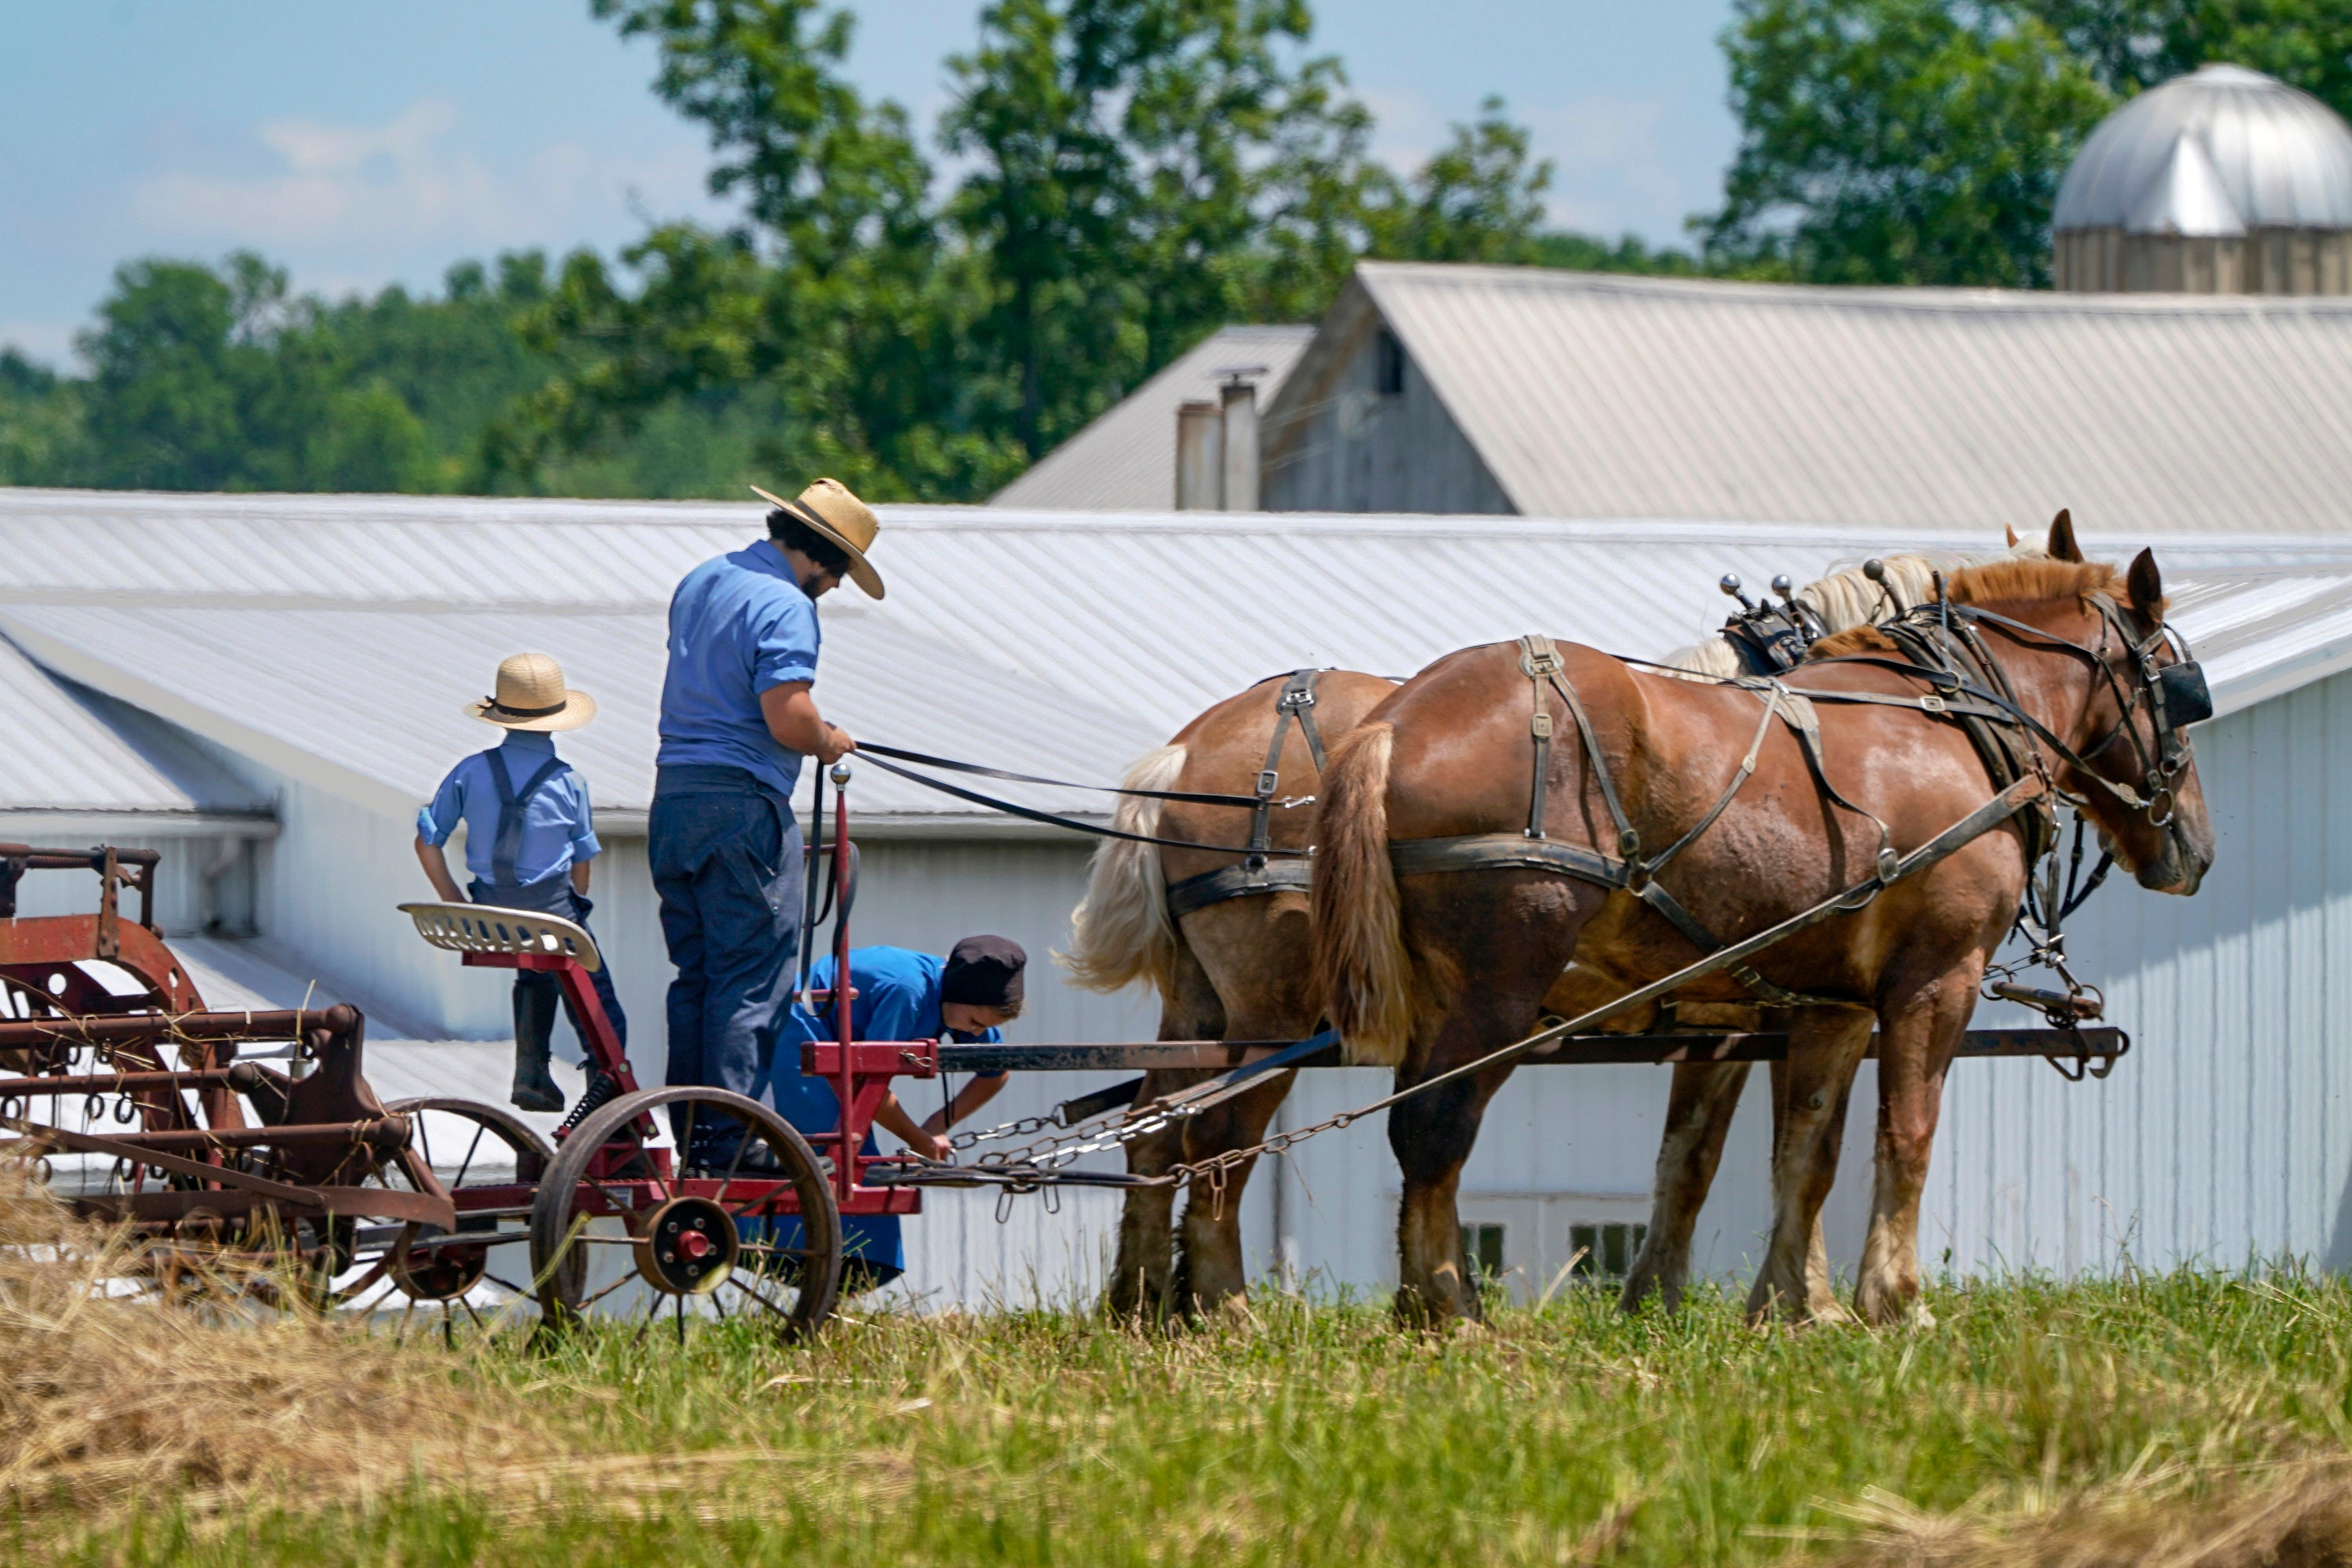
[
  {"x": 180, "y": 901},
  {"x": 2226, "y": 1133}
]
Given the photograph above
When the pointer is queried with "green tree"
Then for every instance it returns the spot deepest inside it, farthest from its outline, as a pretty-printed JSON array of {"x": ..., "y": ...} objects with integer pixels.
[
  {"x": 1899, "y": 141},
  {"x": 41, "y": 439},
  {"x": 832, "y": 311},
  {"x": 1125, "y": 153},
  {"x": 2135, "y": 44},
  {"x": 1479, "y": 199}
]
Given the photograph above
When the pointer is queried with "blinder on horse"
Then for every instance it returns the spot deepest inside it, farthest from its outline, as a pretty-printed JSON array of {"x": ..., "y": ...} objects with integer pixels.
[{"x": 2182, "y": 695}]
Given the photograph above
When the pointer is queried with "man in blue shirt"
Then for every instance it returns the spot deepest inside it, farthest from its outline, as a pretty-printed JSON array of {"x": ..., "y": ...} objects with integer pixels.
[
  {"x": 900, "y": 996},
  {"x": 737, "y": 716},
  {"x": 529, "y": 836}
]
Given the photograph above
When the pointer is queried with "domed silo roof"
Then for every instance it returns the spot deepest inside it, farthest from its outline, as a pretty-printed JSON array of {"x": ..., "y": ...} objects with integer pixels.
[{"x": 2219, "y": 151}]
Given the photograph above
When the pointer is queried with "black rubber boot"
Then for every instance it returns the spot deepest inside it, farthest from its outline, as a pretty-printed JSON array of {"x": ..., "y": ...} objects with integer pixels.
[{"x": 534, "y": 1014}]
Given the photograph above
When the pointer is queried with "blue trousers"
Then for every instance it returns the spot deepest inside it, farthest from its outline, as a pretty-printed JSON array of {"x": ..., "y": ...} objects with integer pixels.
[
  {"x": 536, "y": 991},
  {"x": 726, "y": 862}
]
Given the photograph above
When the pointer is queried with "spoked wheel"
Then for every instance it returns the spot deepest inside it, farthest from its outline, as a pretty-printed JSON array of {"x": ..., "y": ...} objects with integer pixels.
[
  {"x": 489, "y": 1151},
  {"x": 726, "y": 1235}
]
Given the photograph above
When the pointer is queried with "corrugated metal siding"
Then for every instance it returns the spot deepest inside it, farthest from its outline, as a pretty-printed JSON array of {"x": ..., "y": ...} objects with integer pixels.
[
  {"x": 381, "y": 692},
  {"x": 1125, "y": 460},
  {"x": 1591, "y": 395},
  {"x": 2223, "y": 1133},
  {"x": 1047, "y": 643},
  {"x": 71, "y": 749},
  {"x": 2227, "y": 1133}
]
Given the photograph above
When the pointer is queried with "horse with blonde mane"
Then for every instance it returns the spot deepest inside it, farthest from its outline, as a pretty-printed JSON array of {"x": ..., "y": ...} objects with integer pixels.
[
  {"x": 1228, "y": 955},
  {"x": 1434, "y": 954},
  {"x": 1237, "y": 966}
]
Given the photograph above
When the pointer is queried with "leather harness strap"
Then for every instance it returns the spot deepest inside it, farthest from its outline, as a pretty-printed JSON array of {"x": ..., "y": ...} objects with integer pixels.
[
  {"x": 1256, "y": 874},
  {"x": 1297, "y": 701},
  {"x": 1236, "y": 882}
]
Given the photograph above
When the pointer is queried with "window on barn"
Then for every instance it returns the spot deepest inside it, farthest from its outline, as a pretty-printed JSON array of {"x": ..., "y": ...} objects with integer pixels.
[
  {"x": 1605, "y": 1251},
  {"x": 1482, "y": 1248},
  {"x": 1388, "y": 364}
]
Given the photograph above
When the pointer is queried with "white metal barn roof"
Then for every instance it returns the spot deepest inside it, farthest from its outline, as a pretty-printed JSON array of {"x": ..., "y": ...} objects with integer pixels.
[
  {"x": 1125, "y": 460},
  {"x": 336, "y": 638},
  {"x": 72, "y": 752},
  {"x": 1592, "y": 396}
]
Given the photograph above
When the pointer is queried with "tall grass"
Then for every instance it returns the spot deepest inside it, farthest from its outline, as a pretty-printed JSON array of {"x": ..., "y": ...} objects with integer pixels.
[{"x": 2125, "y": 1415}]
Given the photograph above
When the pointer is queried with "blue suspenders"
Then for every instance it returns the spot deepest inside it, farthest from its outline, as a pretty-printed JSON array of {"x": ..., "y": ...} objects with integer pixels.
[{"x": 514, "y": 805}]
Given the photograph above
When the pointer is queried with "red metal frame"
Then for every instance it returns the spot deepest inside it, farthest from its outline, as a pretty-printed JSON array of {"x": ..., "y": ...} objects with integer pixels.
[{"x": 860, "y": 1071}]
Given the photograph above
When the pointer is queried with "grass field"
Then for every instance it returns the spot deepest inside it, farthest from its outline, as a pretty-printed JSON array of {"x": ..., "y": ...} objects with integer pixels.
[{"x": 2085, "y": 1424}]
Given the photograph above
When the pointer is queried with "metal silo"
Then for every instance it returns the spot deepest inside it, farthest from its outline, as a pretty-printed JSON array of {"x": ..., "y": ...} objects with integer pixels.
[{"x": 2225, "y": 181}]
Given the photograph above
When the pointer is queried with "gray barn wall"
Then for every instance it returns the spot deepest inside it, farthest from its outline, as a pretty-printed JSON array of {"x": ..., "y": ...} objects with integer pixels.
[{"x": 1356, "y": 449}]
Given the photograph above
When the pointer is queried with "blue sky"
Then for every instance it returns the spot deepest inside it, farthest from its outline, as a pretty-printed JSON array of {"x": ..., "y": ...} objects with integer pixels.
[{"x": 363, "y": 144}]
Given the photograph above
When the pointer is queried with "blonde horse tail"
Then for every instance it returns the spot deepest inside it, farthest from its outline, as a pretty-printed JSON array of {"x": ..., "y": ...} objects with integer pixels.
[
  {"x": 1359, "y": 957},
  {"x": 1121, "y": 929}
]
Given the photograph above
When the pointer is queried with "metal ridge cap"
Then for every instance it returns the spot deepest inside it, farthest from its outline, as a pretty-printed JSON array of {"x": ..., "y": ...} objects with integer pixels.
[{"x": 1915, "y": 299}]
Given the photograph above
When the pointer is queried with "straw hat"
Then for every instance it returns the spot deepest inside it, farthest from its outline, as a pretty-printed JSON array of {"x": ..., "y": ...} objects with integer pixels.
[
  {"x": 827, "y": 507},
  {"x": 531, "y": 696}
]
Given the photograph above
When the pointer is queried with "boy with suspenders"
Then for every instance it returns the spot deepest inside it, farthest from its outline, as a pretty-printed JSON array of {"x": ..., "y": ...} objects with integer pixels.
[{"x": 529, "y": 836}]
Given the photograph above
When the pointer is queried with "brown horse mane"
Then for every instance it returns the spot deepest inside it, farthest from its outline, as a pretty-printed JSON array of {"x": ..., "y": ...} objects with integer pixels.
[{"x": 2005, "y": 581}]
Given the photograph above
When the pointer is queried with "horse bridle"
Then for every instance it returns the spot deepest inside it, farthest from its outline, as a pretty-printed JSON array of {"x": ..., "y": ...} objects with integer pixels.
[{"x": 2177, "y": 696}]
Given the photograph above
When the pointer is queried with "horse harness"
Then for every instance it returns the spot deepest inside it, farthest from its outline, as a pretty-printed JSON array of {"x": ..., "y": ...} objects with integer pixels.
[
  {"x": 1255, "y": 873},
  {"x": 1943, "y": 646}
]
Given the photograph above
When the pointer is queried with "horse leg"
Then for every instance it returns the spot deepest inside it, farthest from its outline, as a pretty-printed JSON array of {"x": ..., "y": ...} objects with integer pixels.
[
  {"x": 1698, "y": 1118},
  {"x": 1825, "y": 1047},
  {"x": 1820, "y": 1299},
  {"x": 1141, "y": 1277},
  {"x": 1210, "y": 1269},
  {"x": 1917, "y": 1045}
]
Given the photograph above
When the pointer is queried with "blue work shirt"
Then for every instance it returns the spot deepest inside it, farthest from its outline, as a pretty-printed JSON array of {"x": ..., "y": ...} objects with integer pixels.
[
  {"x": 559, "y": 828},
  {"x": 898, "y": 999},
  {"x": 738, "y": 625}
]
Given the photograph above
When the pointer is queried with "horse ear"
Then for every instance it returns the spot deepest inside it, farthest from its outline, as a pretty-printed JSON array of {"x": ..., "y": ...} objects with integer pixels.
[
  {"x": 2013, "y": 535},
  {"x": 2062, "y": 538},
  {"x": 2146, "y": 585}
]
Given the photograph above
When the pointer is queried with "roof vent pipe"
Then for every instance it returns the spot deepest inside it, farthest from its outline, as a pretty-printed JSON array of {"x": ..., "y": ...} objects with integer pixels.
[
  {"x": 1199, "y": 457},
  {"x": 1239, "y": 397}
]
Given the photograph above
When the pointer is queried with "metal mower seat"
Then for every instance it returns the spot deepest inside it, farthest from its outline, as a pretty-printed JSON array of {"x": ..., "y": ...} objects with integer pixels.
[{"x": 486, "y": 928}]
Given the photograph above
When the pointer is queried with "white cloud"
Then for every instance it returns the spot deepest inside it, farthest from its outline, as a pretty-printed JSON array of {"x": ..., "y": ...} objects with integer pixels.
[{"x": 406, "y": 181}]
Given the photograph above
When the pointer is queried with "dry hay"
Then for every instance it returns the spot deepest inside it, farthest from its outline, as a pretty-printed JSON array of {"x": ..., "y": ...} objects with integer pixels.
[
  {"x": 2293, "y": 1515},
  {"x": 104, "y": 1401}
]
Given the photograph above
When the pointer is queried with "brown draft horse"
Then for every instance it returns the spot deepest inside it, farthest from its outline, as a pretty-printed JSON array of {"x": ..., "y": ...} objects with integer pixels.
[
  {"x": 1433, "y": 969},
  {"x": 1235, "y": 969},
  {"x": 1239, "y": 968}
]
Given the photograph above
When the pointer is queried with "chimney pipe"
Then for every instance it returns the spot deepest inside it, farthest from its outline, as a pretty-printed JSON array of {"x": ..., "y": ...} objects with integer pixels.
[
  {"x": 1199, "y": 457},
  {"x": 1239, "y": 397}
]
